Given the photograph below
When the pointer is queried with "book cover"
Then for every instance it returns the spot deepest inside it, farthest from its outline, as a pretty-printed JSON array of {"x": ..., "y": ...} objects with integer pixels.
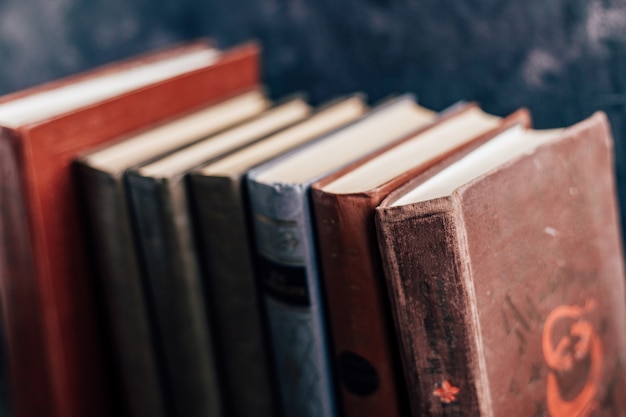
[
  {"x": 219, "y": 202},
  {"x": 168, "y": 258},
  {"x": 285, "y": 246},
  {"x": 365, "y": 350},
  {"x": 506, "y": 276},
  {"x": 112, "y": 239},
  {"x": 47, "y": 290},
  {"x": 200, "y": 45}
]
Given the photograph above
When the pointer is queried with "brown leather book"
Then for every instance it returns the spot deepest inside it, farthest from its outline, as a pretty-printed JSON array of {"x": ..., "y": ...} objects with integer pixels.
[
  {"x": 506, "y": 277},
  {"x": 55, "y": 351},
  {"x": 365, "y": 350}
]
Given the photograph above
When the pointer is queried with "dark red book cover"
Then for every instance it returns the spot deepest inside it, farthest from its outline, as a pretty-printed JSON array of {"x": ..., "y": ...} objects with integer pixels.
[
  {"x": 56, "y": 361},
  {"x": 132, "y": 62},
  {"x": 508, "y": 292},
  {"x": 366, "y": 354}
]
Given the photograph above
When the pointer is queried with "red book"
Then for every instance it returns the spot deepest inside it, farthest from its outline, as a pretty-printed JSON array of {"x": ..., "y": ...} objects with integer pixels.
[
  {"x": 366, "y": 354},
  {"x": 506, "y": 276},
  {"x": 55, "y": 355}
]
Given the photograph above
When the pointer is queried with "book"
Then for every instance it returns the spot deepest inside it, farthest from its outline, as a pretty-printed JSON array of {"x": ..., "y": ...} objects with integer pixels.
[
  {"x": 506, "y": 276},
  {"x": 285, "y": 244},
  {"x": 365, "y": 352},
  {"x": 168, "y": 58},
  {"x": 219, "y": 202},
  {"x": 168, "y": 258},
  {"x": 55, "y": 352},
  {"x": 113, "y": 240}
]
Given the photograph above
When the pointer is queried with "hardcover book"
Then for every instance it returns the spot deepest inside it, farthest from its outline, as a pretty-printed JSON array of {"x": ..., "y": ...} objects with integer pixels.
[
  {"x": 113, "y": 239},
  {"x": 366, "y": 355},
  {"x": 285, "y": 243},
  {"x": 219, "y": 202},
  {"x": 168, "y": 256},
  {"x": 506, "y": 277},
  {"x": 55, "y": 352}
]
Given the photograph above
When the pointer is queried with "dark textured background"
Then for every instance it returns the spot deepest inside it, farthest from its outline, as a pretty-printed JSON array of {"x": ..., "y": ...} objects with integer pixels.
[{"x": 563, "y": 59}]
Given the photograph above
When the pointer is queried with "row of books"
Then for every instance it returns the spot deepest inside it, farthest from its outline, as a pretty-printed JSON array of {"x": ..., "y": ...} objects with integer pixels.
[{"x": 254, "y": 258}]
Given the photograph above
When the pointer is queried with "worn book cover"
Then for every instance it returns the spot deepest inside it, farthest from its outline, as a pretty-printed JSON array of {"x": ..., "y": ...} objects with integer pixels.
[
  {"x": 506, "y": 277},
  {"x": 56, "y": 360},
  {"x": 366, "y": 355}
]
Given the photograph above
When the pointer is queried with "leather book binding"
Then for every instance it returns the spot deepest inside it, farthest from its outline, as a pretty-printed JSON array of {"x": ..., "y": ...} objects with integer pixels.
[{"x": 508, "y": 290}]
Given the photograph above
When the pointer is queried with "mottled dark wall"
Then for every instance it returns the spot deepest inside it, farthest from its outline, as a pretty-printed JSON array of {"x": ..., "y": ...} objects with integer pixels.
[{"x": 563, "y": 59}]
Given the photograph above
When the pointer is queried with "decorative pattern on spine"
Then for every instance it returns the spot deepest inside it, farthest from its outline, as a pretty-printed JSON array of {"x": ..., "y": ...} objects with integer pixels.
[
  {"x": 424, "y": 276},
  {"x": 281, "y": 218}
]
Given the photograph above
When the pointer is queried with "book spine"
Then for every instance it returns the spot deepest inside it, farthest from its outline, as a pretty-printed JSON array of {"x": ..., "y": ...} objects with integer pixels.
[
  {"x": 423, "y": 259},
  {"x": 284, "y": 238},
  {"x": 366, "y": 353},
  {"x": 119, "y": 282},
  {"x": 231, "y": 285},
  {"x": 172, "y": 278},
  {"x": 32, "y": 389}
]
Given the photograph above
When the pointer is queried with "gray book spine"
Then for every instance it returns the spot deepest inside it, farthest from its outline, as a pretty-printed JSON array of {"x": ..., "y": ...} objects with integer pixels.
[
  {"x": 120, "y": 282},
  {"x": 172, "y": 276},
  {"x": 284, "y": 238},
  {"x": 232, "y": 289}
]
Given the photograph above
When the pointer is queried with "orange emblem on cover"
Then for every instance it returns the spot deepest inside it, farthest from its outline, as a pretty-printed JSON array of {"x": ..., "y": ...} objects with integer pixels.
[{"x": 571, "y": 346}]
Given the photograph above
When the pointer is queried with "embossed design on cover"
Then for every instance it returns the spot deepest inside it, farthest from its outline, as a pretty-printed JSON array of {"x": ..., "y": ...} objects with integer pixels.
[{"x": 573, "y": 349}]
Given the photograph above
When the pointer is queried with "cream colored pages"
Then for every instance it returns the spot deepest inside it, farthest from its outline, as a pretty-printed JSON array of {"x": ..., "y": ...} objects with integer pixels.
[
  {"x": 498, "y": 151},
  {"x": 249, "y": 132},
  {"x": 319, "y": 124},
  {"x": 177, "y": 133},
  {"x": 424, "y": 147},
  {"x": 70, "y": 97},
  {"x": 377, "y": 130}
]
